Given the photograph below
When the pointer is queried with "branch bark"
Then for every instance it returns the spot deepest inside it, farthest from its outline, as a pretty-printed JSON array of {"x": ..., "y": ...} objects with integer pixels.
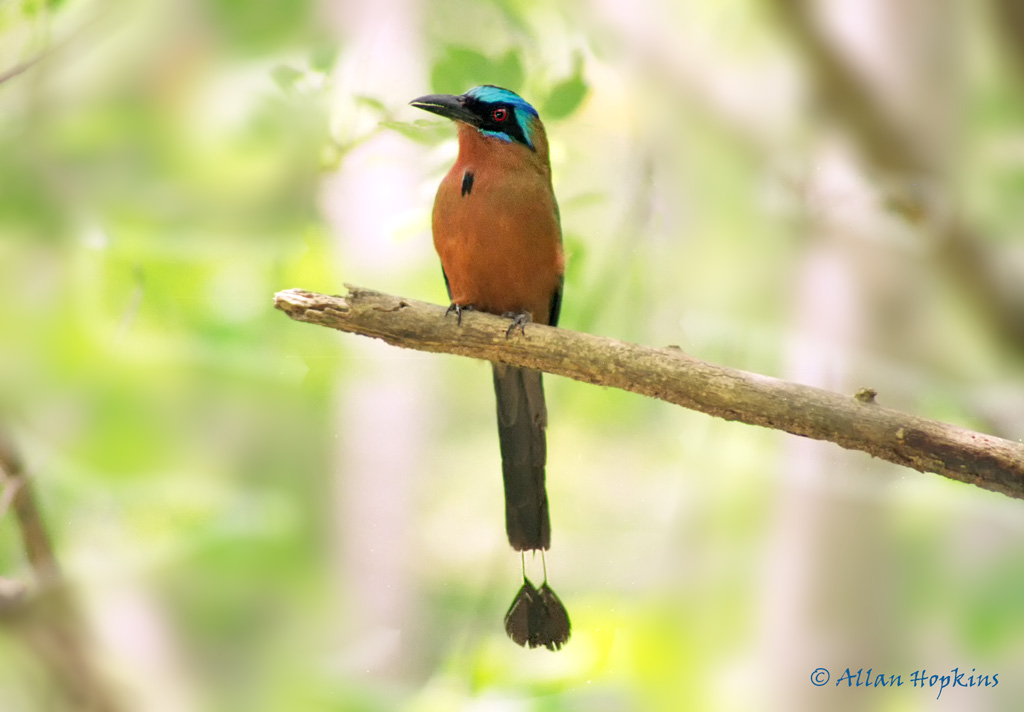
[
  {"x": 48, "y": 620},
  {"x": 855, "y": 422},
  {"x": 22, "y": 67},
  {"x": 38, "y": 548}
]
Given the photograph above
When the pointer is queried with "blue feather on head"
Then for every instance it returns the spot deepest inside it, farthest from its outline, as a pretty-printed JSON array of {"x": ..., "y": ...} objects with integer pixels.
[{"x": 523, "y": 111}]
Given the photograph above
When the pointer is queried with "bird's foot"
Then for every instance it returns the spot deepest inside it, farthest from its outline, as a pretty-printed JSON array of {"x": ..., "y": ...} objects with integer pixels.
[
  {"x": 458, "y": 309},
  {"x": 519, "y": 321}
]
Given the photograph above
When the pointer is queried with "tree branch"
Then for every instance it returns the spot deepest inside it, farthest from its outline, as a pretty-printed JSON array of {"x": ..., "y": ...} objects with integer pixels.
[
  {"x": 22, "y": 67},
  {"x": 47, "y": 620},
  {"x": 18, "y": 491},
  {"x": 892, "y": 147},
  {"x": 854, "y": 422}
]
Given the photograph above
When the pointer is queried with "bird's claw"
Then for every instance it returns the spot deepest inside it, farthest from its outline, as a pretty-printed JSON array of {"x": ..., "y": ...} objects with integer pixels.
[
  {"x": 458, "y": 309},
  {"x": 519, "y": 321}
]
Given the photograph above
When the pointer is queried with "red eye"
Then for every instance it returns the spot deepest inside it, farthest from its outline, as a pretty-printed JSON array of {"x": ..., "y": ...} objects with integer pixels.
[{"x": 499, "y": 114}]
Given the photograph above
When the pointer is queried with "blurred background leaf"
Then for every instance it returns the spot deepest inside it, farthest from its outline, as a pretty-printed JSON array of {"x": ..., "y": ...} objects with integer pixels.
[
  {"x": 566, "y": 96},
  {"x": 461, "y": 68},
  {"x": 257, "y": 514},
  {"x": 263, "y": 27}
]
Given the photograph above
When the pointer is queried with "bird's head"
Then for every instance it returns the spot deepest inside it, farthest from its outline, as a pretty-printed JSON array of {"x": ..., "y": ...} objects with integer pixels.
[{"x": 493, "y": 111}]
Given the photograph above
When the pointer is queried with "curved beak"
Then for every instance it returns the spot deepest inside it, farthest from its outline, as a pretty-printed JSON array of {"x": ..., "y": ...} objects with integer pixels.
[{"x": 448, "y": 106}]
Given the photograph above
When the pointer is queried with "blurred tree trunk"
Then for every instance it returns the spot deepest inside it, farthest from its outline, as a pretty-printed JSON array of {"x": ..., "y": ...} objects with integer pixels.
[
  {"x": 382, "y": 417},
  {"x": 901, "y": 113},
  {"x": 857, "y": 294}
]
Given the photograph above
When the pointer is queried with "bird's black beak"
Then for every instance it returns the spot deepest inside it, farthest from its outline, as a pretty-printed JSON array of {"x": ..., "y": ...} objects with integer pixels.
[{"x": 448, "y": 106}]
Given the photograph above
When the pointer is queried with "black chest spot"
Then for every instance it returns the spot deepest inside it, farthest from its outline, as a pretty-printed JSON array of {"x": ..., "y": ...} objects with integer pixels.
[{"x": 467, "y": 183}]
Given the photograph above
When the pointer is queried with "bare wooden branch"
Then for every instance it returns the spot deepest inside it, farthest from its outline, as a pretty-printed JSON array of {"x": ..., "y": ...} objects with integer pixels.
[
  {"x": 22, "y": 67},
  {"x": 47, "y": 618},
  {"x": 855, "y": 422},
  {"x": 18, "y": 491}
]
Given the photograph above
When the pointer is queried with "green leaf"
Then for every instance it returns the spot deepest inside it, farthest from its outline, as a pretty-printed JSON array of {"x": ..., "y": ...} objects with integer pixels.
[
  {"x": 372, "y": 103},
  {"x": 31, "y": 8},
  {"x": 457, "y": 70},
  {"x": 565, "y": 98},
  {"x": 463, "y": 68},
  {"x": 260, "y": 27},
  {"x": 285, "y": 77},
  {"x": 421, "y": 130},
  {"x": 323, "y": 57},
  {"x": 508, "y": 71}
]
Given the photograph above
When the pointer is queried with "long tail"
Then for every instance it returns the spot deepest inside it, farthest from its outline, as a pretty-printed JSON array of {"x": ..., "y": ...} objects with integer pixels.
[{"x": 522, "y": 418}]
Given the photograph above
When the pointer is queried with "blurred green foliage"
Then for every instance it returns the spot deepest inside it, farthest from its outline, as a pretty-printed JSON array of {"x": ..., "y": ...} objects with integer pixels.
[
  {"x": 259, "y": 28},
  {"x": 461, "y": 68},
  {"x": 567, "y": 95},
  {"x": 198, "y": 456}
]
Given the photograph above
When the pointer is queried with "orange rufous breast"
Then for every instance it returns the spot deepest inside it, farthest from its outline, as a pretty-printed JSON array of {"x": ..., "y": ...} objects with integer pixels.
[{"x": 497, "y": 232}]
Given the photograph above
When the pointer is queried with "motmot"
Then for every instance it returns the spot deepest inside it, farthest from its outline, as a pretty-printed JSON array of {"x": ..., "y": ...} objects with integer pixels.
[{"x": 497, "y": 230}]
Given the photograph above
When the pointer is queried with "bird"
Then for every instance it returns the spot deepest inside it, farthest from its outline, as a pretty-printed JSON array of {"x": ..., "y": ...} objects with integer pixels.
[{"x": 497, "y": 230}]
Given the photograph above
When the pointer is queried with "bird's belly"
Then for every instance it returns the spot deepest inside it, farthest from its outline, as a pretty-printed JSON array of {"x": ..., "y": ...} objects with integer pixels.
[
  {"x": 499, "y": 255},
  {"x": 499, "y": 281}
]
